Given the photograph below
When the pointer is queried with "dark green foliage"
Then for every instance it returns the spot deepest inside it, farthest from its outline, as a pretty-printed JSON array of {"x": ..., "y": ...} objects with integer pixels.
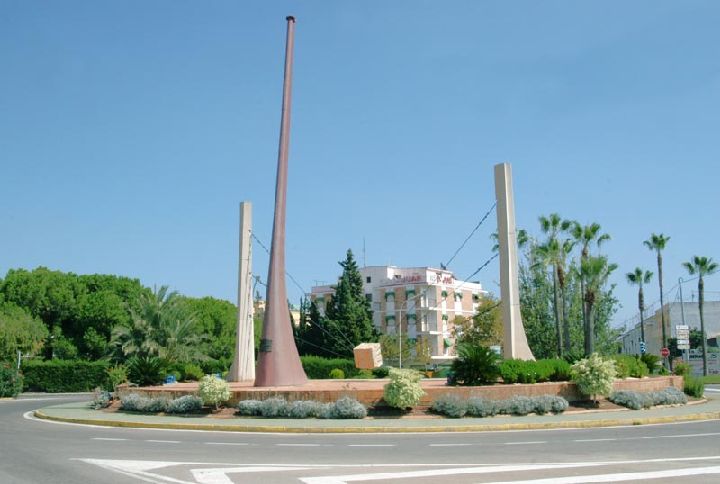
[
  {"x": 116, "y": 375},
  {"x": 638, "y": 400},
  {"x": 319, "y": 368},
  {"x": 337, "y": 374},
  {"x": 381, "y": 372},
  {"x": 476, "y": 365},
  {"x": 11, "y": 381},
  {"x": 694, "y": 387},
  {"x": 630, "y": 366},
  {"x": 455, "y": 407},
  {"x": 19, "y": 331},
  {"x": 192, "y": 372},
  {"x": 682, "y": 369},
  {"x": 520, "y": 371},
  {"x": 55, "y": 376},
  {"x": 146, "y": 370},
  {"x": 652, "y": 362}
]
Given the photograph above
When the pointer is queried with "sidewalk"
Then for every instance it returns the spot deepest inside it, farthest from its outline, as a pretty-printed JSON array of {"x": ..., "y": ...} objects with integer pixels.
[{"x": 79, "y": 413}]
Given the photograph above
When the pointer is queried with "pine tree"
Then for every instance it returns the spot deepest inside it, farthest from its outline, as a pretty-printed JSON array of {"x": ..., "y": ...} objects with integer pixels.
[{"x": 349, "y": 318}]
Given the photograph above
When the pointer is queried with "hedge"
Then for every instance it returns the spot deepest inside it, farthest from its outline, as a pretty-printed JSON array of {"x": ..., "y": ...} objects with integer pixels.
[
  {"x": 55, "y": 376},
  {"x": 319, "y": 368}
]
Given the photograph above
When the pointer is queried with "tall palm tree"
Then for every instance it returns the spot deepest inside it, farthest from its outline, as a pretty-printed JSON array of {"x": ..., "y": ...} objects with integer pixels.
[
  {"x": 554, "y": 253},
  {"x": 585, "y": 236},
  {"x": 701, "y": 266},
  {"x": 640, "y": 278},
  {"x": 595, "y": 271},
  {"x": 657, "y": 243}
]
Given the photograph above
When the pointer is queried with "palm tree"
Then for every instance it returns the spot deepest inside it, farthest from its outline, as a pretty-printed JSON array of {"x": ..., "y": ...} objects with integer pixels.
[
  {"x": 554, "y": 254},
  {"x": 585, "y": 236},
  {"x": 640, "y": 278},
  {"x": 701, "y": 266},
  {"x": 657, "y": 243},
  {"x": 595, "y": 271}
]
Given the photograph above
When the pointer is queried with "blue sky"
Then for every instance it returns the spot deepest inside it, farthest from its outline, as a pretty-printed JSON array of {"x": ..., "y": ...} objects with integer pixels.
[{"x": 130, "y": 131}]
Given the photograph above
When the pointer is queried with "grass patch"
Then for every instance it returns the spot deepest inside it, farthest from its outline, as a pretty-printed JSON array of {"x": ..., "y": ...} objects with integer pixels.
[{"x": 711, "y": 379}]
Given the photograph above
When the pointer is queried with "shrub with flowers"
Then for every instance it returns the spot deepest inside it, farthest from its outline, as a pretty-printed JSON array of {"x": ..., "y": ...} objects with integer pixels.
[
  {"x": 594, "y": 376},
  {"x": 404, "y": 390},
  {"x": 214, "y": 391}
]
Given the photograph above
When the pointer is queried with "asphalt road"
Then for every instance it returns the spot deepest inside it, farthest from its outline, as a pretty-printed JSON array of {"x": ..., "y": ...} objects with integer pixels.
[{"x": 33, "y": 451}]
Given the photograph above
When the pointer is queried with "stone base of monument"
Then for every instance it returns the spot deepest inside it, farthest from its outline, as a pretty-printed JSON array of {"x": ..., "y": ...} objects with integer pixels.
[{"x": 370, "y": 392}]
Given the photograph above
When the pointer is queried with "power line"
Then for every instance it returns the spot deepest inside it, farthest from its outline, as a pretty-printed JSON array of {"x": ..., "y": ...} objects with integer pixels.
[
  {"x": 462, "y": 246},
  {"x": 302, "y": 290}
]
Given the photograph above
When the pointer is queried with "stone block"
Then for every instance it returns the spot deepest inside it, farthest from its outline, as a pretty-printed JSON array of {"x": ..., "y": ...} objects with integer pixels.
[{"x": 368, "y": 356}]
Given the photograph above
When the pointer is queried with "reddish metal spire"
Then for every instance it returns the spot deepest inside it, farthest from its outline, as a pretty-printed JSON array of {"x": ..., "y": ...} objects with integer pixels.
[{"x": 278, "y": 362}]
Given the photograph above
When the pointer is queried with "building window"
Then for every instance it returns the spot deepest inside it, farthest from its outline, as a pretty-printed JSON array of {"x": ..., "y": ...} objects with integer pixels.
[
  {"x": 458, "y": 296},
  {"x": 389, "y": 296},
  {"x": 444, "y": 294},
  {"x": 368, "y": 296},
  {"x": 368, "y": 279}
]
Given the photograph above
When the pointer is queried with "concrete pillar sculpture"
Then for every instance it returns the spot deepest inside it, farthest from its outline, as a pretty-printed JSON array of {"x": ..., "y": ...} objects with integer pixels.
[
  {"x": 243, "y": 365},
  {"x": 514, "y": 340},
  {"x": 278, "y": 360}
]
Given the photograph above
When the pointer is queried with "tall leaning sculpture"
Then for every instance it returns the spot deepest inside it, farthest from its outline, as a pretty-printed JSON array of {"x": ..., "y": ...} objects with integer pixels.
[
  {"x": 514, "y": 340},
  {"x": 278, "y": 360}
]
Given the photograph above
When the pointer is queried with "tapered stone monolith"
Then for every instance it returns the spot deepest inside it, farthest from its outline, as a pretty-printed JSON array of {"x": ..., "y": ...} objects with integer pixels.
[
  {"x": 278, "y": 359},
  {"x": 514, "y": 340}
]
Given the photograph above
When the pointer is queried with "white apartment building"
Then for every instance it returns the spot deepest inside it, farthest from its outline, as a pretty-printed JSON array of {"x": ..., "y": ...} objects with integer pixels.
[{"x": 415, "y": 302}]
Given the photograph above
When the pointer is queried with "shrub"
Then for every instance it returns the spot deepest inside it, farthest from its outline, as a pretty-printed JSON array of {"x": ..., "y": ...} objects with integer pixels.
[
  {"x": 510, "y": 370},
  {"x": 347, "y": 407},
  {"x": 101, "y": 399},
  {"x": 146, "y": 370},
  {"x": 337, "y": 374},
  {"x": 249, "y": 408},
  {"x": 137, "y": 403},
  {"x": 381, "y": 372},
  {"x": 116, "y": 375},
  {"x": 450, "y": 405},
  {"x": 185, "y": 404},
  {"x": 319, "y": 368},
  {"x": 561, "y": 370},
  {"x": 593, "y": 375},
  {"x": 628, "y": 365},
  {"x": 404, "y": 390},
  {"x": 652, "y": 362},
  {"x": 475, "y": 365},
  {"x": 520, "y": 371},
  {"x": 638, "y": 400},
  {"x": 694, "y": 387},
  {"x": 192, "y": 372},
  {"x": 305, "y": 409},
  {"x": 214, "y": 391},
  {"x": 682, "y": 369},
  {"x": 365, "y": 374},
  {"x": 11, "y": 381},
  {"x": 55, "y": 376}
]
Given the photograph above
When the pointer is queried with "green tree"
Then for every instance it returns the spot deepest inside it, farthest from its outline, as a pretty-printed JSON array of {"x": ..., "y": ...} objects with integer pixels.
[
  {"x": 19, "y": 331},
  {"x": 639, "y": 278},
  {"x": 657, "y": 243},
  {"x": 595, "y": 272},
  {"x": 485, "y": 328},
  {"x": 349, "y": 319},
  {"x": 701, "y": 266}
]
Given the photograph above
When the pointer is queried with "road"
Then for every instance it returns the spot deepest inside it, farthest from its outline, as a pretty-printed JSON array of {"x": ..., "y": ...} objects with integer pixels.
[{"x": 33, "y": 451}]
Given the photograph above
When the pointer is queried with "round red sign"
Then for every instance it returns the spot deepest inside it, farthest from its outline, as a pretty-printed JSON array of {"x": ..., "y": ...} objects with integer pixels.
[{"x": 665, "y": 352}]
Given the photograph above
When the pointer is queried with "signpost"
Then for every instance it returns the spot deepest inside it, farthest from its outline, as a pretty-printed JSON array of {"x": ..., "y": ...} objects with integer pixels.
[
  {"x": 665, "y": 352},
  {"x": 682, "y": 333}
]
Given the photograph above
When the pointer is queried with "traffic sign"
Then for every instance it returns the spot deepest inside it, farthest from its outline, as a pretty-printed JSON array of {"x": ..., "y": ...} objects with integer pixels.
[
  {"x": 683, "y": 347},
  {"x": 665, "y": 352},
  {"x": 682, "y": 331},
  {"x": 643, "y": 347}
]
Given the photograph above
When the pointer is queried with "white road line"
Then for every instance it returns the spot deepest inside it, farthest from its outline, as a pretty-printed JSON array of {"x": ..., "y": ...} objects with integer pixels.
[
  {"x": 164, "y": 441},
  {"x": 225, "y": 443},
  {"x": 688, "y": 435},
  {"x": 298, "y": 445},
  {"x": 371, "y": 445},
  {"x": 712, "y": 389},
  {"x": 621, "y": 476},
  {"x": 449, "y": 445},
  {"x": 594, "y": 440},
  {"x": 106, "y": 438},
  {"x": 220, "y": 475},
  {"x": 527, "y": 443}
]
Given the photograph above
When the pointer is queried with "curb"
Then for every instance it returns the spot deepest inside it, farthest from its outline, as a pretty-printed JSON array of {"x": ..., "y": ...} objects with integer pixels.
[{"x": 369, "y": 430}]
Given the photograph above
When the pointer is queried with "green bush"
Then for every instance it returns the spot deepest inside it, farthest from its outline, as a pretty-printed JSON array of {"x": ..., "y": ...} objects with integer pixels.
[
  {"x": 404, "y": 390},
  {"x": 185, "y": 404},
  {"x": 682, "y": 369},
  {"x": 11, "y": 381},
  {"x": 381, "y": 372},
  {"x": 694, "y": 387},
  {"x": 213, "y": 390},
  {"x": 365, "y": 375},
  {"x": 56, "y": 376},
  {"x": 137, "y": 403},
  {"x": 117, "y": 375},
  {"x": 337, "y": 374},
  {"x": 594, "y": 375},
  {"x": 455, "y": 407},
  {"x": 630, "y": 366},
  {"x": 475, "y": 365},
  {"x": 146, "y": 370},
  {"x": 520, "y": 371},
  {"x": 344, "y": 408},
  {"x": 652, "y": 362},
  {"x": 192, "y": 372},
  {"x": 638, "y": 400},
  {"x": 319, "y": 368}
]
